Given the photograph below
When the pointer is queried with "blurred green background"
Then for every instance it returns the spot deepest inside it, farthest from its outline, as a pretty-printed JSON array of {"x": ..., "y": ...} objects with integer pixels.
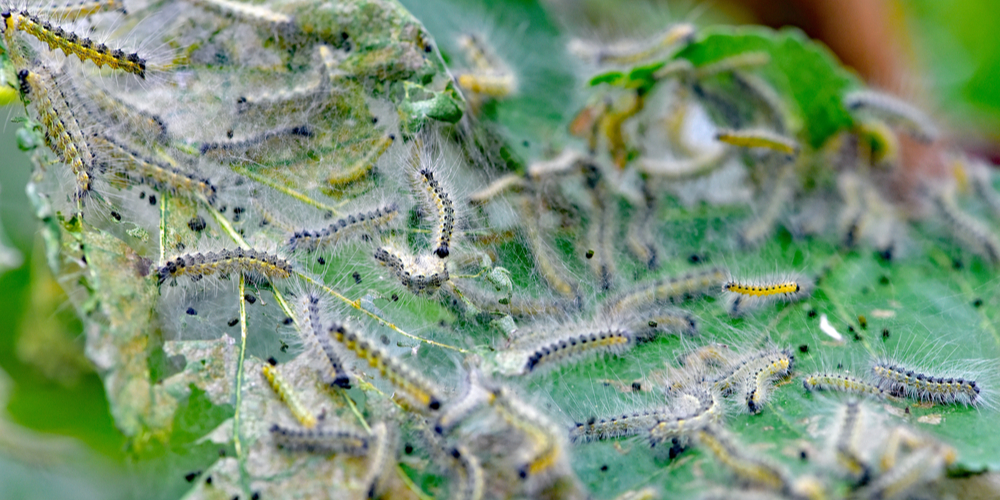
[{"x": 56, "y": 436}]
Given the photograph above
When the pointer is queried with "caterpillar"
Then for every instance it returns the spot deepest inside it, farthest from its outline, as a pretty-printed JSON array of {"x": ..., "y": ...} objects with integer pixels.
[
  {"x": 597, "y": 429},
  {"x": 142, "y": 170},
  {"x": 445, "y": 213},
  {"x": 740, "y": 370},
  {"x": 63, "y": 134},
  {"x": 706, "y": 410},
  {"x": 364, "y": 165},
  {"x": 745, "y": 296},
  {"x": 345, "y": 227},
  {"x": 758, "y": 138},
  {"x": 287, "y": 395},
  {"x": 894, "y": 110},
  {"x": 971, "y": 232},
  {"x": 574, "y": 345},
  {"x": 250, "y": 13},
  {"x": 471, "y": 479},
  {"x": 843, "y": 383},
  {"x": 473, "y": 398},
  {"x": 72, "y": 44},
  {"x": 922, "y": 466},
  {"x": 849, "y": 428},
  {"x": 244, "y": 145},
  {"x": 730, "y": 454},
  {"x": 422, "y": 392},
  {"x": 225, "y": 262},
  {"x": 545, "y": 452},
  {"x": 673, "y": 289},
  {"x": 379, "y": 459},
  {"x": 416, "y": 274},
  {"x": 758, "y": 385},
  {"x": 328, "y": 440},
  {"x": 340, "y": 378},
  {"x": 898, "y": 380}
]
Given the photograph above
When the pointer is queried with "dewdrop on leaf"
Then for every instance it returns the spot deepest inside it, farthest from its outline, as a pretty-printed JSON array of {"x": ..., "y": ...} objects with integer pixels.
[{"x": 288, "y": 396}]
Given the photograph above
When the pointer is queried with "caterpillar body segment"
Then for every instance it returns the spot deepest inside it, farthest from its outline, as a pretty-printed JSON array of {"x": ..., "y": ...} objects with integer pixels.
[
  {"x": 325, "y": 440},
  {"x": 288, "y": 396},
  {"x": 72, "y": 44},
  {"x": 63, "y": 133},
  {"x": 423, "y": 394},
  {"x": 842, "y": 383},
  {"x": 345, "y": 227},
  {"x": 693, "y": 409},
  {"x": 225, "y": 262}
]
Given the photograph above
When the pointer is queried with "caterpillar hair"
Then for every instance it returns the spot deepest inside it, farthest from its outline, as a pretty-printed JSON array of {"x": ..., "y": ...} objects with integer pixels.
[
  {"x": 783, "y": 194},
  {"x": 132, "y": 120},
  {"x": 577, "y": 345},
  {"x": 649, "y": 324},
  {"x": 759, "y": 138},
  {"x": 340, "y": 377},
  {"x": 566, "y": 162},
  {"x": 627, "y": 424},
  {"x": 894, "y": 110},
  {"x": 676, "y": 170},
  {"x": 744, "y": 466},
  {"x": 326, "y": 440},
  {"x": 507, "y": 183},
  {"x": 363, "y": 166},
  {"x": 842, "y": 383},
  {"x": 62, "y": 130},
  {"x": 287, "y": 395},
  {"x": 361, "y": 223},
  {"x": 422, "y": 393},
  {"x": 252, "y": 14},
  {"x": 489, "y": 77},
  {"x": 743, "y": 367},
  {"x": 668, "y": 290},
  {"x": 743, "y": 296},
  {"x": 546, "y": 263},
  {"x": 849, "y": 429},
  {"x": 419, "y": 275},
  {"x": 477, "y": 53},
  {"x": 900, "y": 381},
  {"x": 920, "y": 468},
  {"x": 971, "y": 232},
  {"x": 471, "y": 480},
  {"x": 766, "y": 96},
  {"x": 225, "y": 262},
  {"x": 461, "y": 407},
  {"x": 673, "y": 38},
  {"x": 138, "y": 169},
  {"x": 380, "y": 459},
  {"x": 545, "y": 451},
  {"x": 758, "y": 386},
  {"x": 693, "y": 410},
  {"x": 244, "y": 146},
  {"x": 444, "y": 210},
  {"x": 299, "y": 98},
  {"x": 72, "y": 44},
  {"x": 81, "y": 9}
]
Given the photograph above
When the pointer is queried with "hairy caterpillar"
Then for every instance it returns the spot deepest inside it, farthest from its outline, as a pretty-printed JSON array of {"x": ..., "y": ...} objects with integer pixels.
[
  {"x": 72, "y": 44},
  {"x": 673, "y": 289},
  {"x": 415, "y": 273},
  {"x": 843, "y": 383},
  {"x": 596, "y": 429},
  {"x": 345, "y": 227},
  {"x": 706, "y": 411},
  {"x": 225, "y": 262},
  {"x": 62, "y": 131},
  {"x": 445, "y": 211},
  {"x": 745, "y": 296},
  {"x": 332, "y": 440},
  {"x": 744, "y": 466},
  {"x": 340, "y": 377},
  {"x": 287, "y": 395},
  {"x": 899, "y": 380},
  {"x": 894, "y": 110},
  {"x": 759, "y": 139},
  {"x": 415, "y": 387},
  {"x": 758, "y": 385}
]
